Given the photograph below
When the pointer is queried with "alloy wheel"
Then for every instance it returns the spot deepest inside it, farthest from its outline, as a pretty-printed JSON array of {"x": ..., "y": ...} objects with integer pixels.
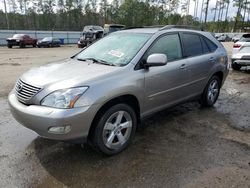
[
  {"x": 213, "y": 91},
  {"x": 117, "y": 129}
]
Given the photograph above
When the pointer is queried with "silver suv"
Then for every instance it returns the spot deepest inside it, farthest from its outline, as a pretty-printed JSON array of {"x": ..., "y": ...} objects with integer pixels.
[{"x": 102, "y": 93}]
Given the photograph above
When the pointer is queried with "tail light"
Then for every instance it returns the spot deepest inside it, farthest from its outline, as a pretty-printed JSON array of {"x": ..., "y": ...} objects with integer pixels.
[{"x": 236, "y": 46}]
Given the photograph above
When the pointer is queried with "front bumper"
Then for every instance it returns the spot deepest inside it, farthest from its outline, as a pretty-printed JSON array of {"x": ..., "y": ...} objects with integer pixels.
[
  {"x": 13, "y": 43},
  {"x": 41, "y": 44},
  {"x": 41, "y": 118}
]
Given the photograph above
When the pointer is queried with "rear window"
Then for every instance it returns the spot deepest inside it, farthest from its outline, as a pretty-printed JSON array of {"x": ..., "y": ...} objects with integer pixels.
[
  {"x": 204, "y": 46},
  {"x": 245, "y": 38},
  {"x": 212, "y": 47},
  {"x": 192, "y": 44}
]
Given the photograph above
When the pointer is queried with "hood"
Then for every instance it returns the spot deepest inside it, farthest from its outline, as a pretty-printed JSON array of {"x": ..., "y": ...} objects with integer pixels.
[{"x": 67, "y": 73}]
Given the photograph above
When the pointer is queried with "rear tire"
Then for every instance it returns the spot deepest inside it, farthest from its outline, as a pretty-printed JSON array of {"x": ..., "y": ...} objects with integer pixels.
[
  {"x": 236, "y": 66},
  {"x": 9, "y": 46},
  {"x": 211, "y": 92},
  {"x": 114, "y": 130}
]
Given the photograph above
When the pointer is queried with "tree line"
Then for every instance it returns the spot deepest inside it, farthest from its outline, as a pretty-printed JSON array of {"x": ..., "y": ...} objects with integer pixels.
[{"x": 72, "y": 15}]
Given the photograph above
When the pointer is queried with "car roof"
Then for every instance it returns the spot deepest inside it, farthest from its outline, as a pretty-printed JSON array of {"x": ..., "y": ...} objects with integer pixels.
[
  {"x": 152, "y": 29},
  {"x": 141, "y": 30},
  {"x": 20, "y": 34}
]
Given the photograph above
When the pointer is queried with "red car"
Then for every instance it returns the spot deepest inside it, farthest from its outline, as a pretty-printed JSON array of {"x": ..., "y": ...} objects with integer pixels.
[{"x": 21, "y": 40}]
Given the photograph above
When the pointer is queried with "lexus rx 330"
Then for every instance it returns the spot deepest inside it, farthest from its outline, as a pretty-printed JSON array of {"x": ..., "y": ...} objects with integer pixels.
[{"x": 102, "y": 93}]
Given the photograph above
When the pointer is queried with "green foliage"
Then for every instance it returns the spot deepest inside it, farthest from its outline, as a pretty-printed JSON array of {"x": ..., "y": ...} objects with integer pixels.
[{"x": 75, "y": 14}]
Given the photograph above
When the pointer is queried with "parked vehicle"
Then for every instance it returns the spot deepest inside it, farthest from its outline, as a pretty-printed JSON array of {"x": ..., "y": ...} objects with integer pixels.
[
  {"x": 224, "y": 38},
  {"x": 90, "y": 34},
  {"x": 49, "y": 42},
  {"x": 21, "y": 40},
  {"x": 110, "y": 28},
  {"x": 102, "y": 93},
  {"x": 217, "y": 35},
  {"x": 230, "y": 36},
  {"x": 237, "y": 37},
  {"x": 241, "y": 52}
]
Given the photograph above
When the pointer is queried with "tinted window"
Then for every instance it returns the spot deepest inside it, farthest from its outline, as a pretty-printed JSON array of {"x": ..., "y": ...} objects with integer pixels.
[
  {"x": 204, "y": 46},
  {"x": 169, "y": 45},
  {"x": 191, "y": 44},
  {"x": 212, "y": 47},
  {"x": 244, "y": 39}
]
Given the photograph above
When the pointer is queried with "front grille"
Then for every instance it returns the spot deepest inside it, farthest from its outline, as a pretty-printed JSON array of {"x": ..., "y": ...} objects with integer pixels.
[{"x": 24, "y": 91}]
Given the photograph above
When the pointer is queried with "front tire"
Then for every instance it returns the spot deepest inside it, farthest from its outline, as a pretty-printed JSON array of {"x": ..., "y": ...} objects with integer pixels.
[
  {"x": 9, "y": 46},
  {"x": 211, "y": 92},
  {"x": 21, "y": 45},
  {"x": 236, "y": 66},
  {"x": 114, "y": 130}
]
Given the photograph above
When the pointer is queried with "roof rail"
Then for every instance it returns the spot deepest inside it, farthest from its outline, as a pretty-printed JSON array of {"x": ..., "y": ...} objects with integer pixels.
[
  {"x": 181, "y": 27},
  {"x": 151, "y": 26}
]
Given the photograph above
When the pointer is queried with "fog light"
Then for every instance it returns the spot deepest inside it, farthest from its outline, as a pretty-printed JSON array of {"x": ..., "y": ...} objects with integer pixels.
[{"x": 60, "y": 130}]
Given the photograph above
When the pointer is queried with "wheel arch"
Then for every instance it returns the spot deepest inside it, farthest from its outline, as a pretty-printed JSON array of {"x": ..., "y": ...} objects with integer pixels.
[
  {"x": 220, "y": 75},
  {"x": 128, "y": 99}
]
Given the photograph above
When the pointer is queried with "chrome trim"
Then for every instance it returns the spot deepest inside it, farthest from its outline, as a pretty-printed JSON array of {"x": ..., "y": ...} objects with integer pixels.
[{"x": 25, "y": 92}]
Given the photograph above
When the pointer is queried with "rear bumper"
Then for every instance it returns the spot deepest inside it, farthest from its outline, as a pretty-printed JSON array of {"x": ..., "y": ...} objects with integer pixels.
[
  {"x": 243, "y": 62},
  {"x": 40, "y": 119}
]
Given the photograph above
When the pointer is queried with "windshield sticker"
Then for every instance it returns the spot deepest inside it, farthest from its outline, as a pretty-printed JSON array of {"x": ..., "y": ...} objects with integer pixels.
[{"x": 116, "y": 53}]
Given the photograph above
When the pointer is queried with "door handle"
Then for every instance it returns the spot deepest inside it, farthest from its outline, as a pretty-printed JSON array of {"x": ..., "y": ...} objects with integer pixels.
[
  {"x": 183, "y": 66},
  {"x": 212, "y": 59}
]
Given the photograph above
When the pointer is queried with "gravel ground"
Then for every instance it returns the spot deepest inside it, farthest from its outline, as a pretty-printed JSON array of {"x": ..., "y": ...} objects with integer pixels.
[{"x": 186, "y": 146}]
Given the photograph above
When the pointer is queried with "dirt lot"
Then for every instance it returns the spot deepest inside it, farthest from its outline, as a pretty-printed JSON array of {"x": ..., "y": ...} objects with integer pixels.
[{"x": 186, "y": 146}]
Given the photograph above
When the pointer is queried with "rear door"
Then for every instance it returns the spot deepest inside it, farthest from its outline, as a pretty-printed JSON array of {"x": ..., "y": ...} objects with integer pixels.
[
  {"x": 166, "y": 85},
  {"x": 200, "y": 59}
]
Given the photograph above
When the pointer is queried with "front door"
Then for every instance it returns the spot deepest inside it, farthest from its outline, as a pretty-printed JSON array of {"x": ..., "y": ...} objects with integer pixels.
[{"x": 166, "y": 85}]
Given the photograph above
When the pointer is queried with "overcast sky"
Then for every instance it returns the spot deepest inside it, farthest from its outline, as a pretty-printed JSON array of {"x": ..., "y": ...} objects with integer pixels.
[{"x": 231, "y": 12}]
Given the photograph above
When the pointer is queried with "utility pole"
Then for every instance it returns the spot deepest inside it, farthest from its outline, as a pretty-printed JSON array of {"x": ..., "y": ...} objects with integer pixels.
[{"x": 6, "y": 14}]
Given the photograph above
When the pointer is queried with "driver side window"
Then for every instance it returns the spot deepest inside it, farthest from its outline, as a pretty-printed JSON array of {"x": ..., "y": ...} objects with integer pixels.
[{"x": 168, "y": 45}]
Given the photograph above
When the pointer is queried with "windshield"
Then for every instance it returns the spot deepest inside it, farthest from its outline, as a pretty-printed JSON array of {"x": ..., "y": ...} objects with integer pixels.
[
  {"x": 115, "y": 28},
  {"x": 92, "y": 27},
  {"x": 117, "y": 49},
  {"x": 47, "y": 39},
  {"x": 17, "y": 36},
  {"x": 97, "y": 28},
  {"x": 237, "y": 36}
]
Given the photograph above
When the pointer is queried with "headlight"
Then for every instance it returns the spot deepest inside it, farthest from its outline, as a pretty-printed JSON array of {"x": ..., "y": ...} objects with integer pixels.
[{"x": 65, "y": 98}]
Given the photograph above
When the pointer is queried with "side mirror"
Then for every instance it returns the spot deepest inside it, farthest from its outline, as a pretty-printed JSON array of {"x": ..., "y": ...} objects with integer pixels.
[{"x": 156, "y": 60}]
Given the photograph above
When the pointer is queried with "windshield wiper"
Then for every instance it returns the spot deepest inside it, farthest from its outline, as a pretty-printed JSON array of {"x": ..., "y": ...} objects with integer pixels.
[{"x": 99, "y": 61}]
